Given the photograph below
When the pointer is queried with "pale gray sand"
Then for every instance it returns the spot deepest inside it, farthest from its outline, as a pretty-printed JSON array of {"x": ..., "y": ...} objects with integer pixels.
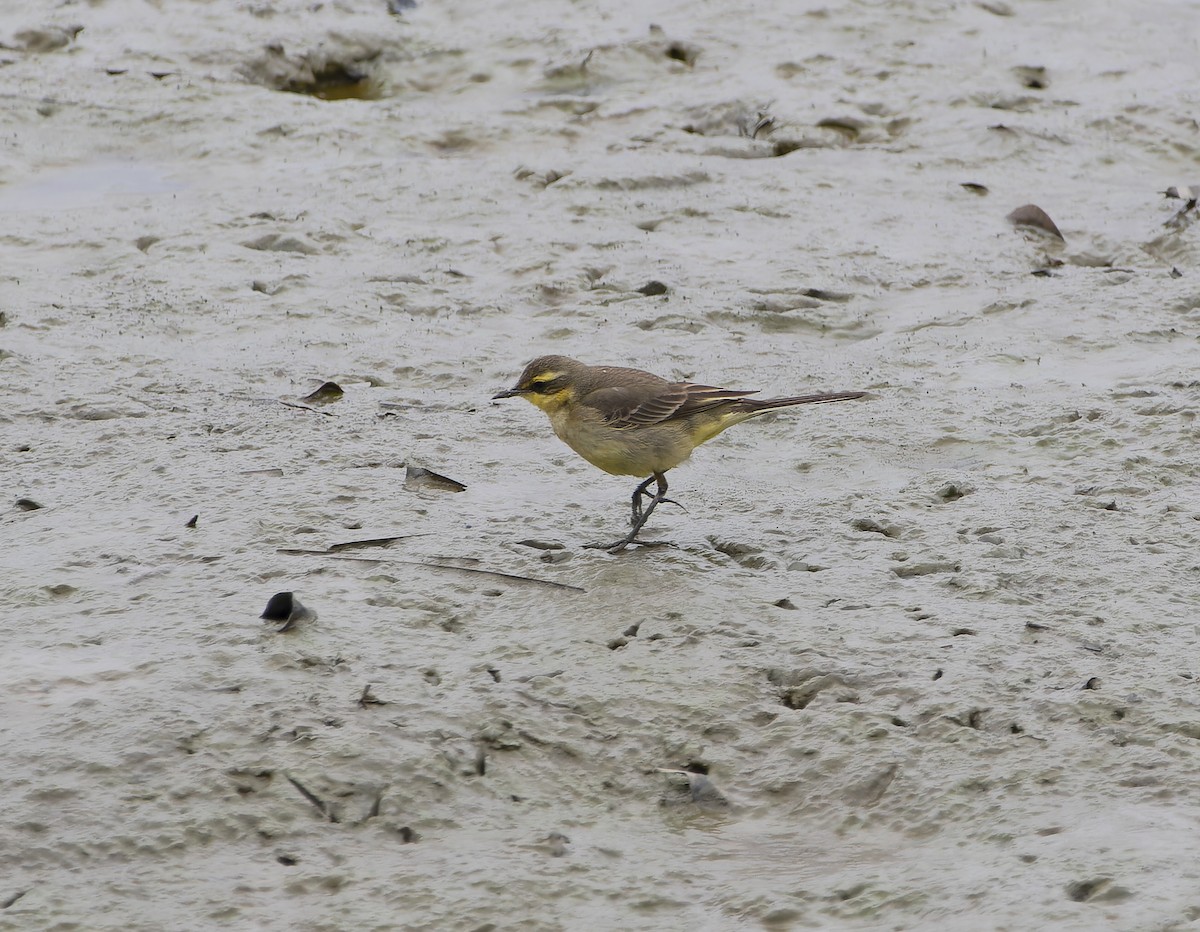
[{"x": 974, "y": 706}]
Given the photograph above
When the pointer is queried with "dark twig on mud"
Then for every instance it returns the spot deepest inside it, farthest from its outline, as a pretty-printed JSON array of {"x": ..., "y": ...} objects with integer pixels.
[
  {"x": 369, "y": 698},
  {"x": 323, "y": 807},
  {"x": 512, "y": 577},
  {"x": 348, "y": 545},
  {"x": 292, "y": 404}
]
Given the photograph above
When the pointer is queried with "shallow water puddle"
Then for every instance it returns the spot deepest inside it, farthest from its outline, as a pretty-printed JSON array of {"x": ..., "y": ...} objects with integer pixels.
[{"x": 86, "y": 185}]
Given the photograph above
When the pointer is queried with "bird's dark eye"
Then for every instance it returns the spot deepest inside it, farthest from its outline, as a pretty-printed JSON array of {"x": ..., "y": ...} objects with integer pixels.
[{"x": 539, "y": 385}]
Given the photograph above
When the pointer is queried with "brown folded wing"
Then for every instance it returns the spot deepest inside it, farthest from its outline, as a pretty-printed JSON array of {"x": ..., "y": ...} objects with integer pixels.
[{"x": 640, "y": 406}]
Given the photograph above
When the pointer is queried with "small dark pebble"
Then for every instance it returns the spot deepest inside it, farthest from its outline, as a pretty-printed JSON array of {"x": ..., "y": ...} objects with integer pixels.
[
  {"x": 784, "y": 603},
  {"x": 27, "y": 504},
  {"x": 1092, "y": 683},
  {"x": 1033, "y": 217},
  {"x": 684, "y": 53},
  {"x": 416, "y": 477},
  {"x": 632, "y": 630},
  {"x": 824, "y": 294},
  {"x": 974, "y": 188},
  {"x": 287, "y": 860},
  {"x": 937, "y": 674},
  {"x": 192, "y": 521},
  {"x": 952, "y": 492},
  {"x": 279, "y": 607},
  {"x": 540, "y": 544},
  {"x": 327, "y": 393},
  {"x": 652, "y": 288},
  {"x": 701, "y": 789},
  {"x": 1099, "y": 889},
  {"x": 285, "y": 607},
  {"x": 874, "y": 527},
  {"x": 1033, "y": 77},
  {"x": 369, "y": 698}
]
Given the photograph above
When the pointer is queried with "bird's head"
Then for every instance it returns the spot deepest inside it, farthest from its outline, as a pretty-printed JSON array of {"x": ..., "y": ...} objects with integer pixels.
[{"x": 548, "y": 382}]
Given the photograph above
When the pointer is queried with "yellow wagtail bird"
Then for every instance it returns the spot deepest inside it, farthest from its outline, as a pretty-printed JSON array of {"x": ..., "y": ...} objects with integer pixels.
[{"x": 633, "y": 423}]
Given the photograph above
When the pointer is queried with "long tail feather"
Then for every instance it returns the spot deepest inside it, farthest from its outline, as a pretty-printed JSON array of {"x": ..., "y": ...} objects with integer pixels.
[{"x": 765, "y": 404}]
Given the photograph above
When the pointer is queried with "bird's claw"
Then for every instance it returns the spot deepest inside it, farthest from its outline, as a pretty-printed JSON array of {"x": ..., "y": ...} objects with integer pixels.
[{"x": 638, "y": 512}]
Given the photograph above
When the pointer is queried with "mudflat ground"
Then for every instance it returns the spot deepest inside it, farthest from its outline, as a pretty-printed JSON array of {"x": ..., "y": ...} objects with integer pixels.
[{"x": 935, "y": 650}]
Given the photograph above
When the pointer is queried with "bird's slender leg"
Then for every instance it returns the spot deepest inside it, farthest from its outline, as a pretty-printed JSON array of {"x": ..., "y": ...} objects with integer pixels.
[
  {"x": 637, "y": 500},
  {"x": 642, "y": 515},
  {"x": 643, "y": 490}
]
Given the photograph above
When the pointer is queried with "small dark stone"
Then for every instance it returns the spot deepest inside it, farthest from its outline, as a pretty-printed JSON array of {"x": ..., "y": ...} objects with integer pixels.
[
  {"x": 684, "y": 53},
  {"x": 285, "y": 607},
  {"x": 416, "y": 477},
  {"x": 1033, "y": 77},
  {"x": 874, "y": 527},
  {"x": 1033, "y": 217},
  {"x": 279, "y": 607},
  {"x": 652, "y": 288},
  {"x": 369, "y": 698},
  {"x": 539, "y": 544},
  {"x": 327, "y": 393},
  {"x": 952, "y": 492}
]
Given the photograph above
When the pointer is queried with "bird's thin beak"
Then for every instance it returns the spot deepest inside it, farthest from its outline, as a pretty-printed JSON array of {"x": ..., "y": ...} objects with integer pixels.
[{"x": 510, "y": 393}]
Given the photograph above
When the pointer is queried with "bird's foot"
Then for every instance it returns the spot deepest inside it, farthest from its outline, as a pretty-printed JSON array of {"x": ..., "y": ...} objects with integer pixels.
[
  {"x": 620, "y": 545},
  {"x": 639, "y": 513}
]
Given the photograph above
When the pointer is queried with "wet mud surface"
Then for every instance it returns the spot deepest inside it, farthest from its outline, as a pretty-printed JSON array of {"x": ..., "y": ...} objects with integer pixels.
[{"x": 924, "y": 661}]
